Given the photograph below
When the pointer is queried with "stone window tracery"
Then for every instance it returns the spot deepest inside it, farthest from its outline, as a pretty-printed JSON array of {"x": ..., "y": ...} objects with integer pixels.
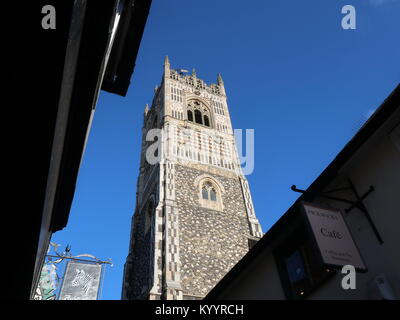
[
  {"x": 176, "y": 94},
  {"x": 198, "y": 113},
  {"x": 210, "y": 194}
]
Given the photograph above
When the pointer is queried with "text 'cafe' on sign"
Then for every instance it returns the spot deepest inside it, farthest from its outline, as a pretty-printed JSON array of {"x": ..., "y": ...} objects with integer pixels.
[{"x": 332, "y": 237}]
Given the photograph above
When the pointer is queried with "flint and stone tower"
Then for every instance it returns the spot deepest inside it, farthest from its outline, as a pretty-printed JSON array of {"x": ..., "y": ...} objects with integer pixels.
[{"x": 194, "y": 217}]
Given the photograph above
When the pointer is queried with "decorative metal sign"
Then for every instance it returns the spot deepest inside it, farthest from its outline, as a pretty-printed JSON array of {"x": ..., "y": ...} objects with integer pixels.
[
  {"x": 332, "y": 236},
  {"x": 47, "y": 285},
  {"x": 81, "y": 281}
]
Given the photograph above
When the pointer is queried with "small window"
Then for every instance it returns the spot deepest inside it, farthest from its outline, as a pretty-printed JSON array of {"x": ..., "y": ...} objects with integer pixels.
[
  {"x": 210, "y": 196},
  {"x": 190, "y": 115},
  {"x": 298, "y": 265},
  {"x": 295, "y": 268},
  {"x": 197, "y": 116}
]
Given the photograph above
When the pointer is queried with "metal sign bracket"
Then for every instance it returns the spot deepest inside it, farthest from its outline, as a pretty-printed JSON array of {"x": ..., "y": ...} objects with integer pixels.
[{"x": 358, "y": 203}]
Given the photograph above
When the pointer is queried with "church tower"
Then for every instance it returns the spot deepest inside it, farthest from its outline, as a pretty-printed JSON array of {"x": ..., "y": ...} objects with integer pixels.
[{"x": 194, "y": 217}]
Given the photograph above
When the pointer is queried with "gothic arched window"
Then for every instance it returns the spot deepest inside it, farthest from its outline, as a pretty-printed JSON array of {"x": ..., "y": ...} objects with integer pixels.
[
  {"x": 210, "y": 195},
  {"x": 198, "y": 112}
]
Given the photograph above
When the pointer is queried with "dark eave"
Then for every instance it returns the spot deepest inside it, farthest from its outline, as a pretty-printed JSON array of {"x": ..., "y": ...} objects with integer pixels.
[
  {"x": 94, "y": 42},
  {"x": 125, "y": 48},
  {"x": 55, "y": 77}
]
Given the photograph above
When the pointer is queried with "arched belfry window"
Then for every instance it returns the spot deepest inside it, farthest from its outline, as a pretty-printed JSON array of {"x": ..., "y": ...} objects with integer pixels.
[
  {"x": 198, "y": 112},
  {"x": 210, "y": 194}
]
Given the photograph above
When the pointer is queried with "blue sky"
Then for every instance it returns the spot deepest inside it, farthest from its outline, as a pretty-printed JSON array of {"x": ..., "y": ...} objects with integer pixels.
[{"x": 291, "y": 73}]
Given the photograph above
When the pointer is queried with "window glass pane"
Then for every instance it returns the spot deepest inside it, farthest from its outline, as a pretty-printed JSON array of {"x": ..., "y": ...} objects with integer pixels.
[
  {"x": 213, "y": 195},
  {"x": 204, "y": 193},
  {"x": 197, "y": 116},
  {"x": 190, "y": 115},
  {"x": 295, "y": 267},
  {"x": 206, "y": 121}
]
